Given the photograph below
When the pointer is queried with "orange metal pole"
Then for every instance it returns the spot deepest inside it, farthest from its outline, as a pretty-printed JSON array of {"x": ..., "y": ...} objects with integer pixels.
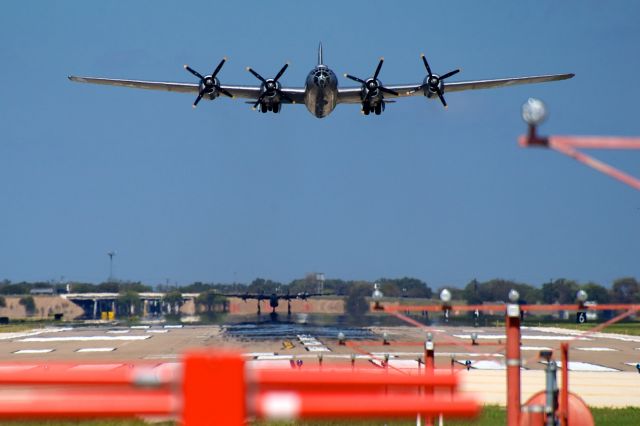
[
  {"x": 513, "y": 364},
  {"x": 290, "y": 405},
  {"x": 429, "y": 366},
  {"x": 214, "y": 389},
  {"x": 564, "y": 391}
]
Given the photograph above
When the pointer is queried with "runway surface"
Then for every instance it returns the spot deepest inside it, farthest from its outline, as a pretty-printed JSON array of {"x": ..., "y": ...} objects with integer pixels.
[{"x": 602, "y": 366}]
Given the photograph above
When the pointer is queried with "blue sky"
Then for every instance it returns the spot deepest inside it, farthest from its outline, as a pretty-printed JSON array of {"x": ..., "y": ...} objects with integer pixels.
[{"x": 223, "y": 193}]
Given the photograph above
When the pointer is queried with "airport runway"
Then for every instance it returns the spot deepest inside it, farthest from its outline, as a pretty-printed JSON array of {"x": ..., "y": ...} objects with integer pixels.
[{"x": 602, "y": 366}]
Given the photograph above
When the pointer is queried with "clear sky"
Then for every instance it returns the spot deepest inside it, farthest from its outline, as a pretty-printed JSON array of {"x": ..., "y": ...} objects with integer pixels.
[{"x": 223, "y": 193}]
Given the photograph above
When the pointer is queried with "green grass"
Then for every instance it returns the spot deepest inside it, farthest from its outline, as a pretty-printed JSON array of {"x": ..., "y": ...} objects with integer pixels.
[
  {"x": 629, "y": 328},
  {"x": 491, "y": 415},
  {"x": 23, "y": 326}
]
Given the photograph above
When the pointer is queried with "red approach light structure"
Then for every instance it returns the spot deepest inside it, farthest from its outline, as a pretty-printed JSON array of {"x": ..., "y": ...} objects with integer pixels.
[
  {"x": 570, "y": 405},
  {"x": 534, "y": 113},
  {"x": 216, "y": 387}
]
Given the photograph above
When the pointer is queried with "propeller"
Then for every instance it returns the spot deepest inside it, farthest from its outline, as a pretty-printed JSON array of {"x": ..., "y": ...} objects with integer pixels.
[
  {"x": 271, "y": 86},
  {"x": 433, "y": 81},
  {"x": 208, "y": 84},
  {"x": 372, "y": 84}
]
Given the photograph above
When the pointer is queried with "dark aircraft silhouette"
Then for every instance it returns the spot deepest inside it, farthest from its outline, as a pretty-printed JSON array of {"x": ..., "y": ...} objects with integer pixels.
[{"x": 274, "y": 298}]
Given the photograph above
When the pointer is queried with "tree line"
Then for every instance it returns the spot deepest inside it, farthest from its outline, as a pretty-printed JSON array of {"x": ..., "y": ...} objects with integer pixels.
[{"x": 622, "y": 290}]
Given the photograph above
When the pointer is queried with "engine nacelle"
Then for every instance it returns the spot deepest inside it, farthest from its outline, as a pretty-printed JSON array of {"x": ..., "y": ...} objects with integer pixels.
[
  {"x": 210, "y": 87},
  {"x": 430, "y": 83}
]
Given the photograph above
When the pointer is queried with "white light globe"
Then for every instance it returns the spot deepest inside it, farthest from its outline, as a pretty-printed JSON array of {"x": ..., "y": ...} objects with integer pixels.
[
  {"x": 581, "y": 296},
  {"x": 514, "y": 296},
  {"x": 534, "y": 111},
  {"x": 445, "y": 295}
]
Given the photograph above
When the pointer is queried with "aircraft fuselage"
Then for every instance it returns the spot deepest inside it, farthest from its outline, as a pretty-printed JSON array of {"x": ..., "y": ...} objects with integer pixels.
[{"x": 321, "y": 91}]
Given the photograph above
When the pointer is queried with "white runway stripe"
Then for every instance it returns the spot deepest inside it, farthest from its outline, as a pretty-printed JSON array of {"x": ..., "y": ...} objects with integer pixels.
[
  {"x": 317, "y": 349},
  {"x": 11, "y": 336},
  {"x": 595, "y": 349},
  {"x": 173, "y": 326},
  {"x": 528, "y": 337},
  {"x": 140, "y": 327},
  {"x": 583, "y": 366},
  {"x": 162, "y": 356},
  {"x": 96, "y": 350},
  {"x": 33, "y": 351},
  {"x": 118, "y": 331},
  {"x": 157, "y": 331},
  {"x": 534, "y": 348},
  {"x": 484, "y": 364},
  {"x": 83, "y": 339},
  {"x": 445, "y": 354}
]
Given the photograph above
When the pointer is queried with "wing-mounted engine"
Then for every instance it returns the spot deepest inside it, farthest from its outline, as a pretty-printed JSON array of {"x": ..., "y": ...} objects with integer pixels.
[
  {"x": 271, "y": 94},
  {"x": 209, "y": 84},
  {"x": 433, "y": 84},
  {"x": 373, "y": 92}
]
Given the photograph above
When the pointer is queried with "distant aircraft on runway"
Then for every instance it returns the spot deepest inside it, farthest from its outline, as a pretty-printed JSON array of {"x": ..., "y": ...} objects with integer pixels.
[
  {"x": 320, "y": 93},
  {"x": 274, "y": 298}
]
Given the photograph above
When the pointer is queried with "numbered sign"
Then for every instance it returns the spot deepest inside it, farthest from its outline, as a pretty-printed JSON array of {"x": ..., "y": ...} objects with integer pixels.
[{"x": 581, "y": 317}]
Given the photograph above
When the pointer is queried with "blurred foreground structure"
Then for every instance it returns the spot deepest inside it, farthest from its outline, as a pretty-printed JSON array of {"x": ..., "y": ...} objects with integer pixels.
[
  {"x": 534, "y": 113},
  {"x": 221, "y": 388}
]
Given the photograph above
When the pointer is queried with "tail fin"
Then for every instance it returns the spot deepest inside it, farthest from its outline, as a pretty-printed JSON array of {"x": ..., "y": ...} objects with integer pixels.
[{"x": 320, "y": 54}]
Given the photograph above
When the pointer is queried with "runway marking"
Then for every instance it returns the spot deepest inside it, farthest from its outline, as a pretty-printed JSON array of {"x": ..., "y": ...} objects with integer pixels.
[
  {"x": 528, "y": 337},
  {"x": 317, "y": 349},
  {"x": 157, "y": 331},
  {"x": 472, "y": 330},
  {"x": 584, "y": 366},
  {"x": 447, "y": 354},
  {"x": 397, "y": 363},
  {"x": 173, "y": 326},
  {"x": 82, "y": 339},
  {"x": 118, "y": 331},
  {"x": 162, "y": 356},
  {"x": 596, "y": 349},
  {"x": 140, "y": 327},
  {"x": 273, "y": 357},
  {"x": 33, "y": 351},
  {"x": 483, "y": 364},
  {"x": 95, "y": 350},
  {"x": 346, "y": 356},
  {"x": 270, "y": 364},
  {"x": 257, "y": 354},
  {"x": 621, "y": 337},
  {"x": 534, "y": 348},
  {"x": 287, "y": 344},
  {"x": 10, "y": 336}
]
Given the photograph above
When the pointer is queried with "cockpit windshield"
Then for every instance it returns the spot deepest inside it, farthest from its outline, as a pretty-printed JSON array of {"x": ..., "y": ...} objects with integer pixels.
[{"x": 321, "y": 77}]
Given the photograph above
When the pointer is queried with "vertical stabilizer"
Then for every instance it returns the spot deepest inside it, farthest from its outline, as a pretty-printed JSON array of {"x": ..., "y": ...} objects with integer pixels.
[{"x": 320, "y": 54}]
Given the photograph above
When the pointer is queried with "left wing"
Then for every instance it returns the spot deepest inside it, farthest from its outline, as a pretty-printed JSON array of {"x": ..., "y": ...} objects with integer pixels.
[
  {"x": 239, "y": 91},
  {"x": 352, "y": 95}
]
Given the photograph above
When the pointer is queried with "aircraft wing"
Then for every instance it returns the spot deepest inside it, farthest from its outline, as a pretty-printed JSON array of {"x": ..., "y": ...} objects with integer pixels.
[
  {"x": 352, "y": 95},
  {"x": 239, "y": 91},
  {"x": 245, "y": 296}
]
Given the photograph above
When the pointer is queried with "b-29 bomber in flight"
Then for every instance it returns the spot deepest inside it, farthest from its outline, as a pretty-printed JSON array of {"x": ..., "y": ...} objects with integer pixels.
[{"x": 321, "y": 93}]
